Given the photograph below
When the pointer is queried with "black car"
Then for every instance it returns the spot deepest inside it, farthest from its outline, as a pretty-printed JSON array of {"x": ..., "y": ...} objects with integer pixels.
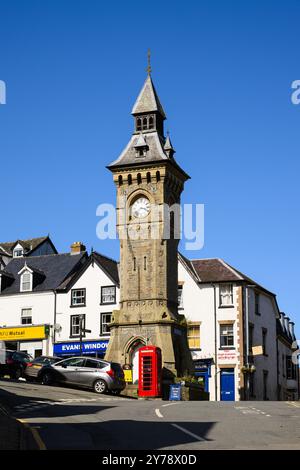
[{"x": 13, "y": 363}]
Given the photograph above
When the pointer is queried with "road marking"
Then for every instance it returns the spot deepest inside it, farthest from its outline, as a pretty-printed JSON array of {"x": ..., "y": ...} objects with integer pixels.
[
  {"x": 170, "y": 404},
  {"x": 39, "y": 441},
  {"x": 189, "y": 433},
  {"x": 158, "y": 413}
]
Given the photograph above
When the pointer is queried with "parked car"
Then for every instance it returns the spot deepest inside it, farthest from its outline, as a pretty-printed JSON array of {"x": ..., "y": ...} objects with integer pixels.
[
  {"x": 33, "y": 368},
  {"x": 97, "y": 374},
  {"x": 14, "y": 363}
]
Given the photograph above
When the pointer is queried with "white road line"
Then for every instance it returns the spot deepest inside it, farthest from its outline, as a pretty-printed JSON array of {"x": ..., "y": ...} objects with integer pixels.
[
  {"x": 170, "y": 404},
  {"x": 158, "y": 413},
  {"x": 186, "y": 431}
]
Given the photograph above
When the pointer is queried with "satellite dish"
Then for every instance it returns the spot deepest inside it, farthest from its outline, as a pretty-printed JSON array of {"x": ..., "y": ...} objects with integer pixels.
[{"x": 57, "y": 327}]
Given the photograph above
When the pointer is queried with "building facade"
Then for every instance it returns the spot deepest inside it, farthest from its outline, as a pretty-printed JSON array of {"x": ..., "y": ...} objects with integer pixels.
[
  {"x": 86, "y": 302},
  {"x": 28, "y": 299},
  {"x": 231, "y": 331}
]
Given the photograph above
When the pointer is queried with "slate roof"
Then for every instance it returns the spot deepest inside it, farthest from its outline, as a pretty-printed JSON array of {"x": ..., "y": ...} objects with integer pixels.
[
  {"x": 28, "y": 245},
  {"x": 148, "y": 101},
  {"x": 55, "y": 268},
  {"x": 217, "y": 270},
  {"x": 109, "y": 265}
]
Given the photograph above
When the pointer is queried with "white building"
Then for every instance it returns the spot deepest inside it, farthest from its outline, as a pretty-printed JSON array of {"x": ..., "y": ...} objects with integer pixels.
[
  {"x": 28, "y": 299},
  {"x": 231, "y": 330},
  {"x": 86, "y": 302}
]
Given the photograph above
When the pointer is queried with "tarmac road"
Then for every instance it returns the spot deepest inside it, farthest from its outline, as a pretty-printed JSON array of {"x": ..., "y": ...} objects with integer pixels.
[{"x": 66, "y": 418}]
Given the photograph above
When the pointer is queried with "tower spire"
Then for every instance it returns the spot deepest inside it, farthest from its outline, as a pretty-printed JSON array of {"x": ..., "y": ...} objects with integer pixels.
[{"x": 149, "y": 69}]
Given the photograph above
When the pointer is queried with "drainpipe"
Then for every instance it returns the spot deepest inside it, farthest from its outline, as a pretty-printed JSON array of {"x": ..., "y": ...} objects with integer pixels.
[
  {"x": 54, "y": 332},
  {"x": 247, "y": 340},
  {"x": 216, "y": 343}
]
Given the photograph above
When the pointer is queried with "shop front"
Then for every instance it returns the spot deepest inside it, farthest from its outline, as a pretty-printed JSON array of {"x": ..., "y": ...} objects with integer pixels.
[
  {"x": 91, "y": 348},
  {"x": 202, "y": 372},
  {"x": 31, "y": 339}
]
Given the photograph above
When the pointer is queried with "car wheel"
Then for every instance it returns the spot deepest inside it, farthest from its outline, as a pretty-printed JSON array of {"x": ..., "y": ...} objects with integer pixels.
[
  {"x": 47, "y": 378},
  {"x": 100, "y": 386},
  {"x": 17, "y": 373}
]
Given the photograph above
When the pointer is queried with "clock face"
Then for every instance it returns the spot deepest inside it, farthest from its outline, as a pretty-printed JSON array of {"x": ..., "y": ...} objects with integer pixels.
[{"x": 140, "y": 208}]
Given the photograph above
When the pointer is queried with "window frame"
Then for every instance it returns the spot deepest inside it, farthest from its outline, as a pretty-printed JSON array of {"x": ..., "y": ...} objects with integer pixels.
[
  {"x": 194, "y": 337},
  {"x": 72, "y": 335},
  {"x": 264, "y": 333},
  {"x": 257, "y": 303},
  {"x": 102, "y": 333},
  {"x": 180, "y": 304},
  {"x": 221, "y": 304},
  {"x": 78, "y": 305},
  {"x": 115, "y": 295},
  {"x": 28, "y": 316},
  {"x": 30, "y": 282},
  {"x": 226, "y": 325}
]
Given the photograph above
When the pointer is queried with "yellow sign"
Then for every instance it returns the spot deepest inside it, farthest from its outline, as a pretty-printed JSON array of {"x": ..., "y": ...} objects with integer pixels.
[
  {"x": 22, "y": 333},
  {"x": 128, "y": 375},
  {"x": 257, "y": 350}
]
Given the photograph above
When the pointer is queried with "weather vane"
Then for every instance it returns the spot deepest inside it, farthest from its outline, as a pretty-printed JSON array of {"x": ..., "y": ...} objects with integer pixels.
[{"x": 149, "y": 69}]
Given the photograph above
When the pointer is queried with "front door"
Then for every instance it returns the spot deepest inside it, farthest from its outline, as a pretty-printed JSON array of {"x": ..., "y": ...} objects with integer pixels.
[{"x": 227, "y": 385}]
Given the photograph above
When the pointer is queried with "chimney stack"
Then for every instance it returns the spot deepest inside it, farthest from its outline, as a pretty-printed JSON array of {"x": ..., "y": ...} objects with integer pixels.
[
  {"x": 77, "y": 248},
  {"x": 286, "y": 324}
]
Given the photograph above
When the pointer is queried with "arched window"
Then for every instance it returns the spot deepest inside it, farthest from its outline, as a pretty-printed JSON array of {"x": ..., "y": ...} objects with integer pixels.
[
  {"x": 138, "y": 124},
  {"x": 139, "y": 178},
  {"x": 129, "y": 179},
  {"x": 148, "y": 177},
  {"x": 145, "y": 123},
  {"x": 120, "y": 180},
  {"x": 157, "y": 176},
  {"x": 151, "y": 122}
]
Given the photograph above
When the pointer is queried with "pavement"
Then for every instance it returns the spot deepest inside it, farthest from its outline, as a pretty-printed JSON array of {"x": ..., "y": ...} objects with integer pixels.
[
  {"x": 14, "y": 435},
  {"x": 69, "y": 418}
]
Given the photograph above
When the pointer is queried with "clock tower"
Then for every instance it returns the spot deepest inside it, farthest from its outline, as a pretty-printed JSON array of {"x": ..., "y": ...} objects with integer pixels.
[{"x": 149, "y": 183}]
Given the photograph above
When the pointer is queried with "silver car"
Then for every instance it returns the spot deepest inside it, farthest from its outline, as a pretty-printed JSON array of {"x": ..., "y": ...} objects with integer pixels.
[{"x": 97, "y": 374}]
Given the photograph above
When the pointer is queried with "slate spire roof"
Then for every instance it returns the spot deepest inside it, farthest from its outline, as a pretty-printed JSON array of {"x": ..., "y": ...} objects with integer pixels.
[{"x": 148, "y": 101}]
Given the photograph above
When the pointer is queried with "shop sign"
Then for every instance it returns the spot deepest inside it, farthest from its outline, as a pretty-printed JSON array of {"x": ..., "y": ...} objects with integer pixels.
[
  {"x": 22, "y": 333},
  {"x": 88, "y": 347},
  {"x": 225, "y": 355}
]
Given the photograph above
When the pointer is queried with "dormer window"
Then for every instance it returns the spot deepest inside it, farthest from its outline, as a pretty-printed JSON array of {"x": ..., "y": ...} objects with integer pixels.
[
  {"x": 26, "y": 281},
  {"x": 18, "y": 253}
]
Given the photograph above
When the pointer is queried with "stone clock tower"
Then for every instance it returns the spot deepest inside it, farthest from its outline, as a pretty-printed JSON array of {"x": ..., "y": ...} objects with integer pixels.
[{"x": 148, "y": 182}]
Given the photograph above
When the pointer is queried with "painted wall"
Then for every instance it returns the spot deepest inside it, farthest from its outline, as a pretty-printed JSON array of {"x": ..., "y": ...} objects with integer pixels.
[
  {"x": 91, "y": 280},
  {"x": 42, "y": 305},
  {"x": 198, "y": 306}
]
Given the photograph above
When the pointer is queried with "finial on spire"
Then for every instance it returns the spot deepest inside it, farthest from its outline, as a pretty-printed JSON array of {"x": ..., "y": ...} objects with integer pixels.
[{"x": 149, "y": 69}]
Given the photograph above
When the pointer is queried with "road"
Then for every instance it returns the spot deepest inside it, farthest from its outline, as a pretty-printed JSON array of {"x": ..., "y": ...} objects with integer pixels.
[{"x": 66, "y": 418}]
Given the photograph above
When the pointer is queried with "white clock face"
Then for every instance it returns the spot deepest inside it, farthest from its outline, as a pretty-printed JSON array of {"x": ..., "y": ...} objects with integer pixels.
[{"x": 140, "y": 208}]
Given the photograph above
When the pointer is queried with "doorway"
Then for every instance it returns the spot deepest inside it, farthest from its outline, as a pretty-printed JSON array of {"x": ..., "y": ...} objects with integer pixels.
[{"x": 227, "y": 385}]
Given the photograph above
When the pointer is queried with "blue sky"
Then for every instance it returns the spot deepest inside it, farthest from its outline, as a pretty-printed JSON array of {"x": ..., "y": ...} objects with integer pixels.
[{"x": 223, "y": 71}]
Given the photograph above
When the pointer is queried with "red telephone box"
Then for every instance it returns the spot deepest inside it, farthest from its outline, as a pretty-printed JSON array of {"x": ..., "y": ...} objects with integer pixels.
[{"x": 149, "y": 371}]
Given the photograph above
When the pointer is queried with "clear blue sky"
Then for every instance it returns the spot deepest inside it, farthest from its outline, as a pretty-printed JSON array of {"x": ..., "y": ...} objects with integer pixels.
[{"x": 223, "y": 71}]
